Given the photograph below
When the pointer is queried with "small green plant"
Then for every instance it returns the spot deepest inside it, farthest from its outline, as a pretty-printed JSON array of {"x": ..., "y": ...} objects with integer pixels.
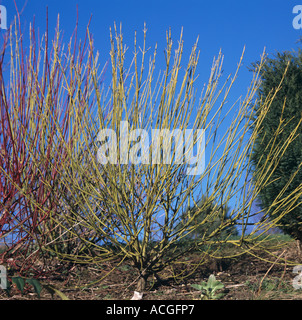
[
  {"x": 209, "y": 288},
  {"x": 20, "y": 283}
]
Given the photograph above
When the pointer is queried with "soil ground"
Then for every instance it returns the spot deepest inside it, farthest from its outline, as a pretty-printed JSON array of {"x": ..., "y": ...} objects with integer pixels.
[{"x": 267, "y": 276}]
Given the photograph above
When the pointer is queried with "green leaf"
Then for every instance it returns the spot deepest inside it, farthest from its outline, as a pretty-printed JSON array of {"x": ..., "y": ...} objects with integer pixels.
[
  {"x": 36, "y": 284},
  {"x": 19, "y": 282},
  {"x": 52, "y": 290},
  {"x": 211, "y": 281},
  {"x": 214, "y": 284},
  {"x": 197, "y": 286},
  {"x": 219, "y": 286}
]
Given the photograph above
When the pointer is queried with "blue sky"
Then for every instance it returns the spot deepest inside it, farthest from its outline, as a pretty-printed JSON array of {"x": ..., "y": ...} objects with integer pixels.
[{"x": 228, "y": 25}]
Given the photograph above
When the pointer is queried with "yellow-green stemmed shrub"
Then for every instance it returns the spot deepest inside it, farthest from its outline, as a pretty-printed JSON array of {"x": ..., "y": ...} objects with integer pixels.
[{"x": 126, "y": 195}]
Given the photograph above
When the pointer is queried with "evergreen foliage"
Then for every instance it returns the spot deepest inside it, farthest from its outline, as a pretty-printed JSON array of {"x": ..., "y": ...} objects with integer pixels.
[{"x": 286, "y": 109}]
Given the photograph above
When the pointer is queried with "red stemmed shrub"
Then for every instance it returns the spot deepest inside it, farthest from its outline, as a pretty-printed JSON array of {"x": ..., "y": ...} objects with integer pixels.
[{"x": 44, "y": 96}]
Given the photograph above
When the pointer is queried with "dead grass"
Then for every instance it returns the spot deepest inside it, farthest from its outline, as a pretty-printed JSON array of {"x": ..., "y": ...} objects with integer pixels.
[{"x": 245, "y": 278}]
